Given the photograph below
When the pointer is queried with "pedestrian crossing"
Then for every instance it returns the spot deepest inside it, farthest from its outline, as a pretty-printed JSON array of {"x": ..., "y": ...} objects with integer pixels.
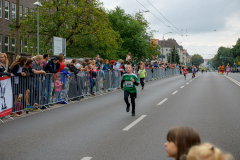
[{"x": 233, "y": 80}]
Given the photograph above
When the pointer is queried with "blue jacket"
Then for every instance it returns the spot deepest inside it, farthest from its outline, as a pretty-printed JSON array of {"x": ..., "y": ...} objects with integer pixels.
[
  {"x": 105, "y": 66},
  {"x": 64, "y": 75}
]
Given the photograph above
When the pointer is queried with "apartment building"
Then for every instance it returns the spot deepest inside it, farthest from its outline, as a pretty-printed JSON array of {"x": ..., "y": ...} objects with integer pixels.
[{"x": 7, "y": 14}]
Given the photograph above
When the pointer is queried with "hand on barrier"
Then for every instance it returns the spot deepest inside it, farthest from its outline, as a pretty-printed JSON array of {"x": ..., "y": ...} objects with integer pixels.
[{"x": 23, "y": 73}]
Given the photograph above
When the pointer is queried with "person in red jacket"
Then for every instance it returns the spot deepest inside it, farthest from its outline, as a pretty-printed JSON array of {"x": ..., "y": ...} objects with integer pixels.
[
  {"x": 61, "y": 62},
  {"x": 185, "y": 72}
]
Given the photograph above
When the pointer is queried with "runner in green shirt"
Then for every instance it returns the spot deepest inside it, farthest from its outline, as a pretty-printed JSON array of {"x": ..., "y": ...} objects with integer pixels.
[
  {"x": 143, "y": 73},
  {"x": 128, "y": 84}
]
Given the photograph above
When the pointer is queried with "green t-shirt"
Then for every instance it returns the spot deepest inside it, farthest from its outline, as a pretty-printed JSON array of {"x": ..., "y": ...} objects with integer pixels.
[
  {"x": 142, "y": 74},
  {"x": 128, "y": 84}
]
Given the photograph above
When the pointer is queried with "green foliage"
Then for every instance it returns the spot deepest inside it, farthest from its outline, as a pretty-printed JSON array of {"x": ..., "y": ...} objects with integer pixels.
[
  {"x": 174, "y": 56},
  {"x": 197, "y": 59},
  {"x": 222, "y": 52},
  {"x": 83, "y": 23},
  {"x": 133, "y": 32},
  {"x": 236, "y": 49}
]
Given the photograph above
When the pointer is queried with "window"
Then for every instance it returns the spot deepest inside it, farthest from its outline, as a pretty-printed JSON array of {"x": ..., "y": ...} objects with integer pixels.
[
  {"x": 20, "y": 12},
  {"x": 26, "y": 11},
  {"x": 25, "y": 45},
  {"x": 13, "y": 44},
  {"x": 166, "y": 49},
  {"x": 13, "y": 11},
  {"x": 7, "y": 10},
  {"x": 20, "y": 45},
  {"x": 0, "y": 10},
  {"x": 6, "y": 43},
  {"x": 0, "y": 43}
]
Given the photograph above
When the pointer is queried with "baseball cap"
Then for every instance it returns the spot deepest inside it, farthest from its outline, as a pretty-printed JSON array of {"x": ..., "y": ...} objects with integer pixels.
[
  {"x": 112, "y": 61},
  {"x": 56, "y": 58}
]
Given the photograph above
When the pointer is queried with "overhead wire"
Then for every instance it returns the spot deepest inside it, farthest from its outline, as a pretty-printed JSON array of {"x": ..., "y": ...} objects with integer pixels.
[{"x": 165, "y": 23}]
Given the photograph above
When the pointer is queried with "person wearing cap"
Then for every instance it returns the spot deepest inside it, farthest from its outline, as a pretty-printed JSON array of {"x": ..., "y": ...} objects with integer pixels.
[
  {"x": 112, "y": 63},
  {"x": 52, "y": 66}
]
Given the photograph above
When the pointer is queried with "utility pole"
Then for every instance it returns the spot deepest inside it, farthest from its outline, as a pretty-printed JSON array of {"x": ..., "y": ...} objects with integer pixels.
[{"x": 17, "y": 49}]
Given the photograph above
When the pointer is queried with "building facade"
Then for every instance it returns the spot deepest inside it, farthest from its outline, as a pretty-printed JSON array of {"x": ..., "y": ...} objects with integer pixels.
[{"x": 7, "y": 15}]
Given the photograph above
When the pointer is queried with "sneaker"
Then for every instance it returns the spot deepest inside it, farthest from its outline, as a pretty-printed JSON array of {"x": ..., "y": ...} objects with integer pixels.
[
  {"x": 133, "y": 114},
  {"x": 127, "y": 109},
  {"x": 29, "y": 107},
  {"x": 64, "y": 102}
]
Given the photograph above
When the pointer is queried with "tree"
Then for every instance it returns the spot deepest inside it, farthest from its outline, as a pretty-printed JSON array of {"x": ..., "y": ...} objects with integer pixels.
[
  {"x": 197, "y": 59},
  {"x": 133, "y": 32},
  {"x": 83, "y": 23},
  {"x": 236, "y": 49},
  {"x": 219, "y": 60},
  {"x": 173, "y": 57}
]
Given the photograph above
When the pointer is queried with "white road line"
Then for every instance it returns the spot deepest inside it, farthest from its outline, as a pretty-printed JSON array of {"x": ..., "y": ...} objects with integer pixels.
[
  {"x": 190, "y": 80},
  {"x": 174, "y": 92},
  {"x": 134, "y": 123},
  {"x": 186, "y": 83},
  {"x": 162, "y": 101},
  {"x": 182, "y": 87},
  {"x": 86, "y": 158}
]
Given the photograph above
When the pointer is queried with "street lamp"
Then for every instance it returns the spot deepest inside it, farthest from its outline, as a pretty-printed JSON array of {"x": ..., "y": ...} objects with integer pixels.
[
  {"x": 162, "y": 44},
  {"x": 38, "y": 4},
  {"x": 143, "y": 11}
]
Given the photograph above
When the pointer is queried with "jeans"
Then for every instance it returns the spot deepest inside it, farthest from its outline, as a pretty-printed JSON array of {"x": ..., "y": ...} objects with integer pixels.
[
  {"x": 92, "y": 83},
  {"x": 102, "y": 74},
  {"x": 58, "y": 95}
]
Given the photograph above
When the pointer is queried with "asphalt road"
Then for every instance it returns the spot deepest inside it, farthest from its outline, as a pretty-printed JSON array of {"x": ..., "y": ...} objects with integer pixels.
[{"x": 96, "y": 128}]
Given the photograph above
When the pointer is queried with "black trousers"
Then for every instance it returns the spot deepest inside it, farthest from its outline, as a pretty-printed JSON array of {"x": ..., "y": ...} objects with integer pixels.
[
  {"x": 142, "y": 82},
  {"x": 132, "y": 96}
]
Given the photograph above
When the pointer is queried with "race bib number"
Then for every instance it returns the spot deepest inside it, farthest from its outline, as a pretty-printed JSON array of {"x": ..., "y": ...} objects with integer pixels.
[{"x": 128, "y": 84}]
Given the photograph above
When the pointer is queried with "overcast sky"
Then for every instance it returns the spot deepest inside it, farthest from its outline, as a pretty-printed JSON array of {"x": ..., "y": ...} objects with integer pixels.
[{"x": 196, "y": 20}]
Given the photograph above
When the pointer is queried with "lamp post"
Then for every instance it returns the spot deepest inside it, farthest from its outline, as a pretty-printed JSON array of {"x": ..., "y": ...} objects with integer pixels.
[
  {"x": 38, "y": 4},
  {"x": 162, "y": 44}
]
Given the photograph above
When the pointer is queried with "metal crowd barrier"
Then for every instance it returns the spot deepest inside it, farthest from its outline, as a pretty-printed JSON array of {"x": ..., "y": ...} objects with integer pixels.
[{"x": 44, "y": 90}]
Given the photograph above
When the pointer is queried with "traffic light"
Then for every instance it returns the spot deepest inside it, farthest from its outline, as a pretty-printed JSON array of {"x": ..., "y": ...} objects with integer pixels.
[{"x": 220, "y": 57}]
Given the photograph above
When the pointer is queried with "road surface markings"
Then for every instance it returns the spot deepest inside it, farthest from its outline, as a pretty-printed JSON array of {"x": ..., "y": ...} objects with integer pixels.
[
  {"x": 174, "y": 92},
  {"x": 233, "y": 80},
  {"x": 134, "y": 123},
  {"x": 182, "y": 87},
  {"x": 86, "y": 158},
  {"x": 162, "y": 101},
  {"x": 186, "y": 83},
  {"x": 190, "y": 80}
]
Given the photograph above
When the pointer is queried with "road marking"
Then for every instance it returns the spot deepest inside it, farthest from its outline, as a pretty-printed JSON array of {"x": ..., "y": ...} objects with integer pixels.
[
  {"x": 233, "y": 80},
  {"x": 86, "y": 158},
  {"x": 190, "y": 80},
  {"x": 174, "y": 92},
  {"x": 182, "y": 87},
  {"x": 134, "y": 123},
  {"x": 162, "y": 101},
  {"x": 186, "y": 83}
]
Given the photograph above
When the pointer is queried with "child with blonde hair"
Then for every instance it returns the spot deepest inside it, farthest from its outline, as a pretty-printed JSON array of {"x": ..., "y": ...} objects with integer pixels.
[{"x": 207, "y": 151}]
